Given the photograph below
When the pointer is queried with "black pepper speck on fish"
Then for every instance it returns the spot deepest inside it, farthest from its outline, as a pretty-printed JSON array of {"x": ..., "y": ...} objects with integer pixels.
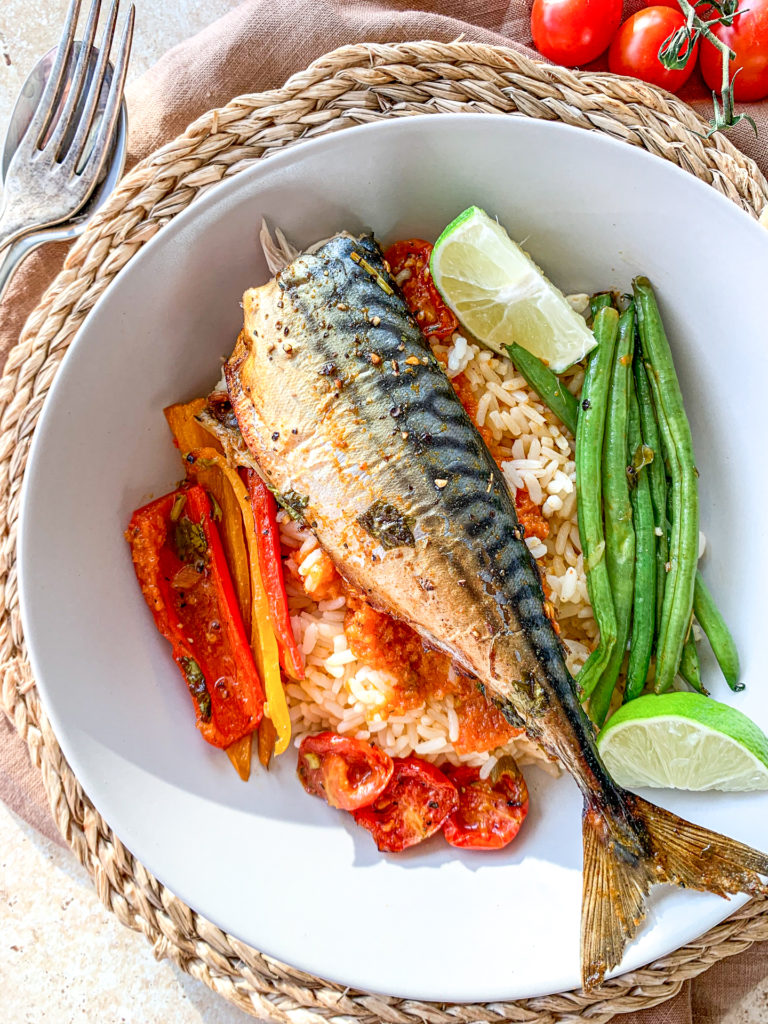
[{"x": 358, "y": 427}]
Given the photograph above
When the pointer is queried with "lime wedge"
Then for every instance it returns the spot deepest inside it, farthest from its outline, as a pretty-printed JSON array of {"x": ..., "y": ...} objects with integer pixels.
[
  {"x": 684, "y": 741},
  {"x": 500, "y": 295}
]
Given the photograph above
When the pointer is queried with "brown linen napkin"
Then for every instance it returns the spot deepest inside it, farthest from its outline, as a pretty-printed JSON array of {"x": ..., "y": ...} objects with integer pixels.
[{"x": 257, "y": 46}]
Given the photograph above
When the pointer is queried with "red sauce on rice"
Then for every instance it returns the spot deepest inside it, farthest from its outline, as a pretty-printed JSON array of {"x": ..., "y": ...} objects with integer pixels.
[{"x": 386, "y": 644}]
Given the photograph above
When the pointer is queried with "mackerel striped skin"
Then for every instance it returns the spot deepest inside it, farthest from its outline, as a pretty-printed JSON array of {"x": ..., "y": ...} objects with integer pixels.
[
  {"x": 341, "y": 401},
  {"x": 352, "y": 420}
]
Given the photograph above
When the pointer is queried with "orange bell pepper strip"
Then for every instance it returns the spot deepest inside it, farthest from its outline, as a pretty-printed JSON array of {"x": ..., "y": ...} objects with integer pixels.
[
  {"x": 239, "y": 752},
  {"x": 266, "y": 741},
  {"x": 268, "y": 534},
  {"x": 189, "y": 434},
  {"x": 181, "y": 568}
]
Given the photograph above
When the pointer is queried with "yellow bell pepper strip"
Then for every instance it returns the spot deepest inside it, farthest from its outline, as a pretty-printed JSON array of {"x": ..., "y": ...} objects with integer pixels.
[
  {"x": 189, "y": 434},
  {"x": 263, "y": 638}
]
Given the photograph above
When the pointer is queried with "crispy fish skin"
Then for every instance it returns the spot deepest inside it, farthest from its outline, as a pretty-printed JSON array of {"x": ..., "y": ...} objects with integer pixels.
[{"x": 353, "y": 421}]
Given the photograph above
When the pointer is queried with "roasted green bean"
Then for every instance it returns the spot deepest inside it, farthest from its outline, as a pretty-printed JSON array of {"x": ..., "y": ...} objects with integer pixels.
[
  {"x": 718, "y": 634},
  {"x": 683, "y": 504},
  {"x": 589, "y": 449},
  {"x": 547, "y": 385},
  {"x": 690, "y": 669},
  {"x": 657, "y": 478},
  {"x": 617, "y": 509},
  {"x": 644, "y": 604},
  {"x": 603, "y": 300}
]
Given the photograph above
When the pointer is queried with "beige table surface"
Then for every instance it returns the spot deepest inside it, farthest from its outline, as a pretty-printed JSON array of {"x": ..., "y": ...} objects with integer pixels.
[{"x": 63, "y": 957}]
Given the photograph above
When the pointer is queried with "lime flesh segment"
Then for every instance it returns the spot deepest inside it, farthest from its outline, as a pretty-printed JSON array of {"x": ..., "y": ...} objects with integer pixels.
[
  {"x": 501, "y": 296},
  {"x": 684, "y": 741}
]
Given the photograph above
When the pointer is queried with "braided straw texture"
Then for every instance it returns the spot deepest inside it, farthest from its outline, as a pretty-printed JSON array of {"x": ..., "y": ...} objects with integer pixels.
[{"x": 350, "y": 86}]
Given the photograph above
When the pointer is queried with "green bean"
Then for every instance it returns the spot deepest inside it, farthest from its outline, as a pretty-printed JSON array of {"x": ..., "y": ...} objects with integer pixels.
[
  {"x": 589, "y": 449},
  {"x": 718, "y": 634},
  {"x": 677, "y": 446},
  {"x": 547, "y": 385},
  {"x": 657, "y": 479},
  {"x": 644, "y": 605},
  {"x": 603, "y": 300},
  {"x": 617, "y": 509},
  {"x": 690, "y": 669}
]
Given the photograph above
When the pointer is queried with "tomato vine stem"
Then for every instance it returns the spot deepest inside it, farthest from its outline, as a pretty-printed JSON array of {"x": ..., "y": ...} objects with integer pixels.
[{"x": 677, "y": 49}]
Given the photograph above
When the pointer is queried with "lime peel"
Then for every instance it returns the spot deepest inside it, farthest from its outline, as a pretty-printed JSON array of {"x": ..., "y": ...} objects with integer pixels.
[
  {"x": 684, "y": 741},
  {"x": 501, "y": 296}
]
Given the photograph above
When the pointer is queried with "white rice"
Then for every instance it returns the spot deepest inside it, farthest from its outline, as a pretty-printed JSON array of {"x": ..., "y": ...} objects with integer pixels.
[{"x": 345, "y": 695}]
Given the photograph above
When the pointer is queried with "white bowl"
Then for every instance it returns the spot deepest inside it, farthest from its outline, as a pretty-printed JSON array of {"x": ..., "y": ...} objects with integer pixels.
[{"x": 266, "y": 862}]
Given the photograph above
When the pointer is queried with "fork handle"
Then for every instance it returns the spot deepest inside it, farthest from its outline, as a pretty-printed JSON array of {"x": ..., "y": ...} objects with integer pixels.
[
  {"x": 11, "y": 229},
  {"x": 13, "y": 256}
]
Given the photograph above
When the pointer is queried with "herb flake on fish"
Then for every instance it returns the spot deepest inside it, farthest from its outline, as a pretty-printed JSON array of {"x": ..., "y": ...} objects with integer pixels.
[
  {"x": 293, "y": 503},
  {"x": 388, "y": 525}
]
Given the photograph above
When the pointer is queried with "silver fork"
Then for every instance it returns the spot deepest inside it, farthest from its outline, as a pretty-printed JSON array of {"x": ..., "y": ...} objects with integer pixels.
[{"x": 58, "y": 162}]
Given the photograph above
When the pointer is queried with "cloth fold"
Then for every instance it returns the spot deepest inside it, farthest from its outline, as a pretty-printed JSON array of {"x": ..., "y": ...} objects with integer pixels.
[{"x": 257, "y": 46}]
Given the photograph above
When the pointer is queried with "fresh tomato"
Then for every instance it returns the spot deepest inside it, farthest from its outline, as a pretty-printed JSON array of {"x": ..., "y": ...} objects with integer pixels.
[
  {"x": 635, "y": 48},
  {"x": 490, "y": 811},
  {"x": 574, "y": 32},
  {"x": 348, "y": 773},
  {"x": 416, "y": 802},
  {"x": 748, "y": 38},
  {"x": 423, "y": 299}
]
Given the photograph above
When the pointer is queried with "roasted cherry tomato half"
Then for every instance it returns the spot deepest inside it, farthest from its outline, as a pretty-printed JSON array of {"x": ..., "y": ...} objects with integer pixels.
[
  {"x": 635, "y": 48},
  {"x": 748, "y": 38},
  {"x": 490, "y": 811},
  {"x": 346, "y": 772},
  {"x": 574, "y": 32},
  {"x": 418, "y": 288},
  {"x": 413, "y": 807}
]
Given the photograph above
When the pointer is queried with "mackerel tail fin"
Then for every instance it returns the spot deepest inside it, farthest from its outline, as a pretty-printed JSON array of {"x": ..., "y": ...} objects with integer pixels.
[{"x": 624, "y": 855}]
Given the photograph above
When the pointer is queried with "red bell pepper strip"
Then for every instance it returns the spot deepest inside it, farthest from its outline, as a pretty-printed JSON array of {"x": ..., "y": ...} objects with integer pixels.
[
  {"x": 268, "y": 535},
  {"x": 180, "y": 565}
]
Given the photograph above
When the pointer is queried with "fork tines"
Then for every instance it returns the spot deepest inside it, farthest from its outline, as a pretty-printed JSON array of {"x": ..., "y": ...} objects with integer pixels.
[{"x": 65, "y": 117}]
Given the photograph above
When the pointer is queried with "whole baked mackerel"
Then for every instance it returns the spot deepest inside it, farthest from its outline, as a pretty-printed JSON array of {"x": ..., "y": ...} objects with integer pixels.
[{"x": 356, "y": 427}]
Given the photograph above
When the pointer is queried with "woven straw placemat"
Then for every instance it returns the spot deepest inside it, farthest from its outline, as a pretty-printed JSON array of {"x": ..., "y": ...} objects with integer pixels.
[{"x": 347, "y": 87}]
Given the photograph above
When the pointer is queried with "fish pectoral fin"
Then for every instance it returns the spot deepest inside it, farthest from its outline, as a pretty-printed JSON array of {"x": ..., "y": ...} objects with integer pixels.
[{"x": 621, "y": 864}]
